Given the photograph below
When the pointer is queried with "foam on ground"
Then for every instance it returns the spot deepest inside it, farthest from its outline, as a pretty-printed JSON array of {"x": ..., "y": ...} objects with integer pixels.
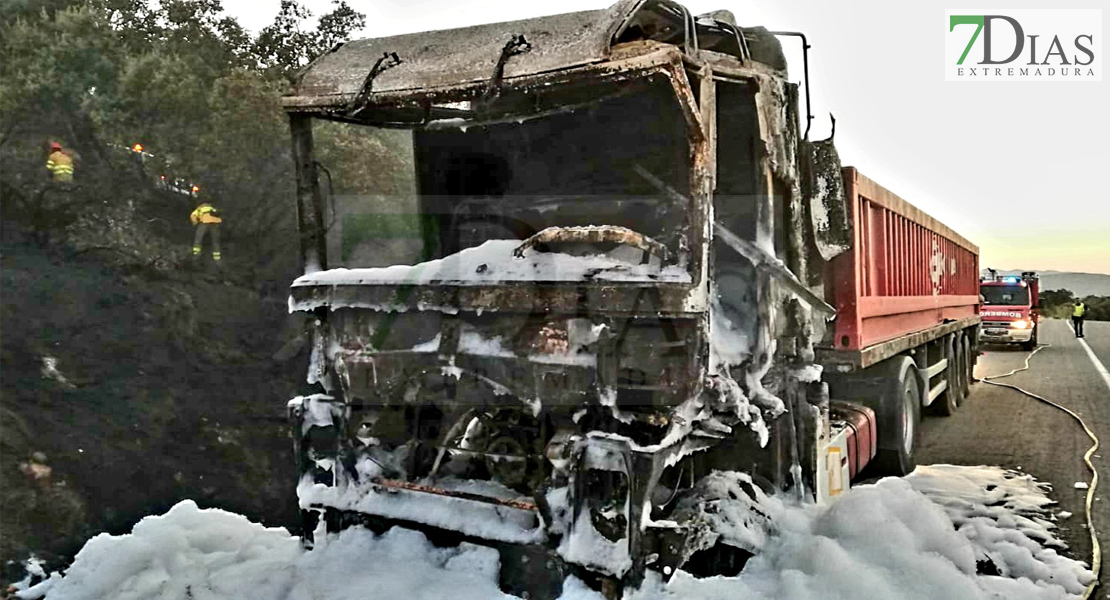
[{"x": 887, "y": 540}]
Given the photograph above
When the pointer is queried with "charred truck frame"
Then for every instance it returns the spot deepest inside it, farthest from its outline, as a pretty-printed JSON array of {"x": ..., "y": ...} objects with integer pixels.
[{"x": 613, "y": 348}]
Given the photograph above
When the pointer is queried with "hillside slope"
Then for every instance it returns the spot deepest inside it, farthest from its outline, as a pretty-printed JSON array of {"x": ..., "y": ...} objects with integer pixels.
[{"x": 140, "y": 393}]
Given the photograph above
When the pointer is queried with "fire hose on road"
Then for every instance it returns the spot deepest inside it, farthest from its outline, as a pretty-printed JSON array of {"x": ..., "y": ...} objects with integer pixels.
[{"x": 1096, "y": 551}]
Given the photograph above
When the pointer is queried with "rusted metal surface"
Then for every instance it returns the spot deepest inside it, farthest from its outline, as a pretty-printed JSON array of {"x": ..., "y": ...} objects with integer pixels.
[
  {"x": 310, "y": 211},
  {"x": 478, "y": 54},
  {"x": 600, "y": 234},
  {"x": 467, "y": 55},
  {"x": 827, "y": 209},
  {"x": 388, "y": 60},
  {"x": 520, "y": 382},
  {"x": 427, "y": 489},
  {"x": 537, "y": 360},
  {"x": 663, "y": 299},
  {"x": 421, "y": 107},
  {"x": 707, "y": 105}
]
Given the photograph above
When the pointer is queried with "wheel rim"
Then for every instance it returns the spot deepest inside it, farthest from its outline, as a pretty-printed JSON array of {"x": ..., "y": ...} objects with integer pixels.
[
  {"x": 952, "y": 376},
  {"x": 908, "y": 400},
  {"x": 958, "y": 371},
  {"x": 969, "y": 368}
]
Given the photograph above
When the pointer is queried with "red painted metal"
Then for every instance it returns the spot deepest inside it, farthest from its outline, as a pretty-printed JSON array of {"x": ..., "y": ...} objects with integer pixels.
[
  {"x": 906, "y": 271},
  {"x": 862, "y": 433}
]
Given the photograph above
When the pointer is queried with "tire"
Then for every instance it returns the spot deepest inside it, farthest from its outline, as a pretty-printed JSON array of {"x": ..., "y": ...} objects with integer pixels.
[
  {"x": 969, "y": 366},
  {"x": 956, "y": 375},
  {"x": 1032, "y": 343},
  {"x": 953, "y": 396},
  {"x": 899, "y": 419},
  {"x": 972, "y": 359}
]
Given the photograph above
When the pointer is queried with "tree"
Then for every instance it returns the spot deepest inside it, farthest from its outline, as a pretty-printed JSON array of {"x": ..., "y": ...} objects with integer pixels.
[
  {"x": 1056, "y": 303},
  {"x": 191, "y": 85},
  {"x": 54, "y": 64},
  {"x": 1059, "y": 304},
  {"x": 335, "y": 27},
  {"x": 285, "y": 46},
  {"x": 12, "y": 10},
  {"x": 1098, "y": 308}
]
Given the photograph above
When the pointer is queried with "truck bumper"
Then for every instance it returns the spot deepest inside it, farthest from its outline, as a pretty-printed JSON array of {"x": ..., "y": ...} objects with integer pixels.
[{"x": 1003, "y": 334}]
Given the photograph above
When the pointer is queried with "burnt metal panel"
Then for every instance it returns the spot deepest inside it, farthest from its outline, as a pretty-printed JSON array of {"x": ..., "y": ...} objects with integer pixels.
[
  {"x": 470, "y": 54},
  {"x": 417, "y": 378},
  {"x": 310, "y": 211},
  {"x": 484, "y": 55},
  {"x": 658, "y": 299}
]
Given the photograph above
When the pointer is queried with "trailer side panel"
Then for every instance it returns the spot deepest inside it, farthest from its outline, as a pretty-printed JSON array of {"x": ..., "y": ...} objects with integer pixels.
[{"x": 906, "y": 272}]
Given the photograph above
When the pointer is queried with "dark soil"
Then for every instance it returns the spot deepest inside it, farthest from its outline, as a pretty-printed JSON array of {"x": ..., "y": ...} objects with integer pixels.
[{"x": 171, "y": 391}]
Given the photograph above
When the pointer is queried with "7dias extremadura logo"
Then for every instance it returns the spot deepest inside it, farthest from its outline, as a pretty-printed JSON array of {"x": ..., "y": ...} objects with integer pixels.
[{"x": 1023, "y": 45}]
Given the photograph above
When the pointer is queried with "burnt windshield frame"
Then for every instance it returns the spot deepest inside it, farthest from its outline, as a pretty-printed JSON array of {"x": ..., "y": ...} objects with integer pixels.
[
  {"x": 995, "y": 295},
  {"x": 416, "y": 109},
  {"x": 569, "y": 168}
]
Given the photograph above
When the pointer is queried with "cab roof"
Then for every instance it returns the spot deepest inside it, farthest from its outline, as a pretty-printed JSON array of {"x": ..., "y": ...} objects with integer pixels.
[{"x": 435, "y": 60}]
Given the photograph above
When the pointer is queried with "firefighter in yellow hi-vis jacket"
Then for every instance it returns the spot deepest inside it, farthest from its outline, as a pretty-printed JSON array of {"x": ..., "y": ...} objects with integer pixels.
[
  {"x": 207, "y": 221},
  {"x": 60, "y": 164}
]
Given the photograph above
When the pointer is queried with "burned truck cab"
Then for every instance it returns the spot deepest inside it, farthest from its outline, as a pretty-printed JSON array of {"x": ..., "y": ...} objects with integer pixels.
[{"x": 608, "y": 328}]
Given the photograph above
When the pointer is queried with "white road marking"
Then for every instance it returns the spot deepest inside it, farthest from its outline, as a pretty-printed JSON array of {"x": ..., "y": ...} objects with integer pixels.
[{"x": 1101, "y": 368}]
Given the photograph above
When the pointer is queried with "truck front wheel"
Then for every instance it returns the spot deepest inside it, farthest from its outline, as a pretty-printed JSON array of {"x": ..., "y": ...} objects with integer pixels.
[
  {"x": 899, "y": 416},
  {"x": 1032, "y": 343}
]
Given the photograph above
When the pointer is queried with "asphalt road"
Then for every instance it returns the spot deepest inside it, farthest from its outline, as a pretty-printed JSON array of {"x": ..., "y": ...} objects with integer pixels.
[{"x": 1000, "y": 426}]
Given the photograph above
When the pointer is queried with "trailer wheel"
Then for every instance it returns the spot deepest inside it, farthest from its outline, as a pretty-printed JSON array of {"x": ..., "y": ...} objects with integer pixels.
[
  {"x": 953, "y": 396},
  {"x": 899, "y": 417},
  {"x": 973, "y": 347},
  {"x": 968, "y": 364}
]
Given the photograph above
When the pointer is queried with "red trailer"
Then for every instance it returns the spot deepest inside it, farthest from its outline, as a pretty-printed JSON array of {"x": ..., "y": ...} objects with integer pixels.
[{"x": 907, "y": 316}]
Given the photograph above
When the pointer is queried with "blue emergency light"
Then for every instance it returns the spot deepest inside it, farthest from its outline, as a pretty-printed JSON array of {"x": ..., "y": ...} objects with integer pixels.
[{"x": 1011, "y": 280}]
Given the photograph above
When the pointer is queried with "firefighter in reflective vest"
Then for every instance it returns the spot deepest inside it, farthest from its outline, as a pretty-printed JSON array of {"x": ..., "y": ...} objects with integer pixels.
[
  {"x": 207, "y": 221},
  {"x": 60, "y": 164},
  {"x": 1078, "y": 312}
]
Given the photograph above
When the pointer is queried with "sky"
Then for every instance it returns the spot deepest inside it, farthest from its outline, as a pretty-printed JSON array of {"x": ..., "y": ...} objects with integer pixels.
[{"x": 1018, "y": 168}]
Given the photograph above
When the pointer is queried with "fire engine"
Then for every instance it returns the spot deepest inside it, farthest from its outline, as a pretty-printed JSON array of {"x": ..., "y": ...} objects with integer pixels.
[{"x": 1010, "y": 309}]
